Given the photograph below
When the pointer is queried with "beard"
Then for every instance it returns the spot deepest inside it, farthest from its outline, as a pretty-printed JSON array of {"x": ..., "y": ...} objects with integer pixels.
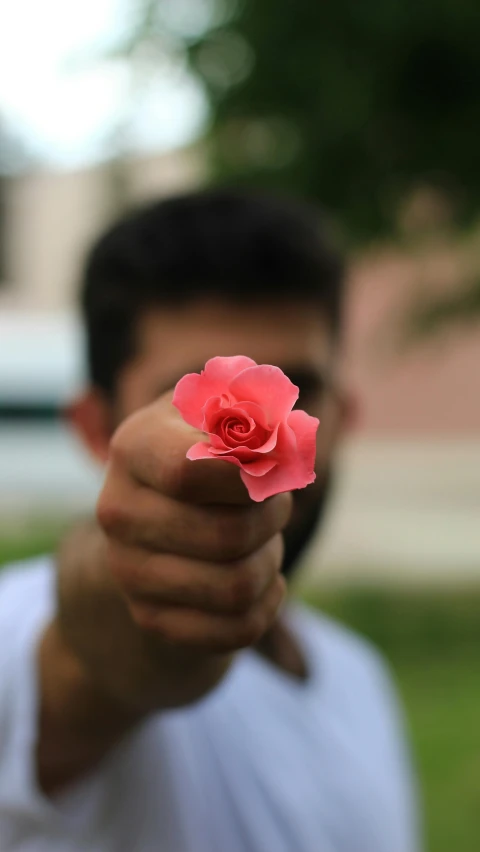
[{"x": 310, "y": 508}]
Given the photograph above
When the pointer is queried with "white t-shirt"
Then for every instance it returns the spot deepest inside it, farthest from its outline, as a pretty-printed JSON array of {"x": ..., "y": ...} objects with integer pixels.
[{"x": 263, "y": 764}]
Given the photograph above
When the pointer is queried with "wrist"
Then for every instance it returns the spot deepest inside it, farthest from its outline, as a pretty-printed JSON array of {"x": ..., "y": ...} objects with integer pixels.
[
  {"x": 70, "y": 690},
  {"x": 78, "y": 723}
]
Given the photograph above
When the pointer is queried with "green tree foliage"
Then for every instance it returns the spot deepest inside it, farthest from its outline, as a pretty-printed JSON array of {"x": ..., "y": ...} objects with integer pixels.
[
  {"x": 459, "y": 307},
  {"x": 351, "y": 103}
]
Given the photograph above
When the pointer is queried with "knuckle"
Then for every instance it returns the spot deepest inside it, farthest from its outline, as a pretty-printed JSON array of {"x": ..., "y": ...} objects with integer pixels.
[
  {"x": 128, "y": 571},
  {"x": 165, "y": 630},
  {"x": 110, "y": 514},
  {"x": 151, "y": 620},
  {"x": 232, "y": 534},
  {"x": 174, "y": 472},
  {"x": 284, "y": 508},
  {"x": 243, "y": 589},
  {"x": 276, "y": 549},
  {"x": 251, "y": 629},
  {"x": 142, "y": 615},
  {"x": 120, "y": 443}
]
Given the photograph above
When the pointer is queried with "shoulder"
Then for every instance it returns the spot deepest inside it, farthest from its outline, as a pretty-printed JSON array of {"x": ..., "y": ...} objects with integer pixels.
[
  {"x": 26, "y": 603},
  {"x": 334, "y": 642},
  {"x": 350, "y": 668}
]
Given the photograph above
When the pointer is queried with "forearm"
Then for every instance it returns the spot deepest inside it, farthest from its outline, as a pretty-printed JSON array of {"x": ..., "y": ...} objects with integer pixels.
[
  {"x": 81, "y": 718},
  {"x": 100, "y": 675},
  {"x": 78, "y": 721}
]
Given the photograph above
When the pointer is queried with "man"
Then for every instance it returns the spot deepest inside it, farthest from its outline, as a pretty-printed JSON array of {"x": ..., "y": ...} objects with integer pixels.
[{"x": 155, "y": 693}]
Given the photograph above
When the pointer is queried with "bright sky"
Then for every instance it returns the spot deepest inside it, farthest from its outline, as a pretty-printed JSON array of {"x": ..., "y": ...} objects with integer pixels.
[{"x": 62, "y": 106}]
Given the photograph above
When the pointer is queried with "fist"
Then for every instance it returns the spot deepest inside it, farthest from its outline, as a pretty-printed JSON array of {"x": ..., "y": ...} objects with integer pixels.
[{"x": 197, "y": 561}]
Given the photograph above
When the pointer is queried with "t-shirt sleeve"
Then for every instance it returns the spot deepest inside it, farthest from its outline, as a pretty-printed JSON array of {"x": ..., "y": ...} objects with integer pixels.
[{"x": 26, "y": 603}]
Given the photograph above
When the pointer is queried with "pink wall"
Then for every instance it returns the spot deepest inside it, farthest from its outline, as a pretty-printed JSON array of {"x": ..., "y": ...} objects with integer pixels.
[{"x": 430, "y": 389}]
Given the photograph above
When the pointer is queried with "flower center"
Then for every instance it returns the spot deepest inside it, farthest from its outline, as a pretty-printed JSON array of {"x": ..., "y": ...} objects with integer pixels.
[
  {"x": 235, "y": 428},
  {"x": 238, "y": 427}
]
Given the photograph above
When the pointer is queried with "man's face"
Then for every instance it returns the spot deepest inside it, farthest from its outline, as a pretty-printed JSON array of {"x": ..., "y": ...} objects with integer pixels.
[{"x": 173, "y": 341}]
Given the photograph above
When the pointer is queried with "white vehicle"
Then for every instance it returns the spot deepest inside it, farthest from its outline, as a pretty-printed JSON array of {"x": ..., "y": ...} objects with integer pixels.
[
  {"x": 40, "y": 358},
  {"x": 43, "y": 469}
]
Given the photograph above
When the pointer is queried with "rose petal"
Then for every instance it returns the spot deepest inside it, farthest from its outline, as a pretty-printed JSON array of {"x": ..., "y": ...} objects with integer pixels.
[
  {"x": 214, "y": 413},
  {"x": 235, "y": 423},
  {"x": 296, "y": 448},
  {"x": 288, "y": 477},
  {"x": 286, "y": 442},
  {"x": 259, "y": 467},
  {"x": 252, "y": 440},
  {"x": 202, "y": 450},
  {"x": 255, "y": 411},
  {"x": 270, "y": 443},
  {"x": 243, "y": 454},
  {"x": 190, "y": 395},
  {"x": 269, "y": 387},
  {"x": 219, "y": 446},
  {"x": 212, "y": 409},
  {"x": 195, "y": 389},
  {"x": 305, "y": 428},
  {"x": 211, "y": 401},
  {"x": 217, "y": 443},
  {"x": 223, "y": 369}
]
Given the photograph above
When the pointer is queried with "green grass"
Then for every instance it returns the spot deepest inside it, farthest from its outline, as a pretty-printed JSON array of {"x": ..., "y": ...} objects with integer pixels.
[
  {"x": 442, "y": 698},
  {"x": 39, "y": 539},
  {"x": 432, "y": 640}
]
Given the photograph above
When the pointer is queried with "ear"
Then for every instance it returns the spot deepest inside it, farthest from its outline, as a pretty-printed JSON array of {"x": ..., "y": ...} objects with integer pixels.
[{"x": 90, "y": 416}]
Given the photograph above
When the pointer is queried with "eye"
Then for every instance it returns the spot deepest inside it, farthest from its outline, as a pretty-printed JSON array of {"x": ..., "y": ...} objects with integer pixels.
[{"x": 312, "y": 388}]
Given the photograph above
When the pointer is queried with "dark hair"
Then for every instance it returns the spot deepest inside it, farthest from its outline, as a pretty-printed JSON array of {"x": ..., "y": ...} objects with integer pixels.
[{"x": 234, "y": 245}]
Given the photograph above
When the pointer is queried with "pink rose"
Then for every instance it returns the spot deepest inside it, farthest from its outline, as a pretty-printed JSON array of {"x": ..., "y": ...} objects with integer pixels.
[{"x": 246, "y": 411}]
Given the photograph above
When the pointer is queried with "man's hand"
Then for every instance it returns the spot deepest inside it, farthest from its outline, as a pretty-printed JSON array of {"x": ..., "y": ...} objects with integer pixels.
[
  {"x": 182, "y": 570},
  {"x": 197, "y": 561}
]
